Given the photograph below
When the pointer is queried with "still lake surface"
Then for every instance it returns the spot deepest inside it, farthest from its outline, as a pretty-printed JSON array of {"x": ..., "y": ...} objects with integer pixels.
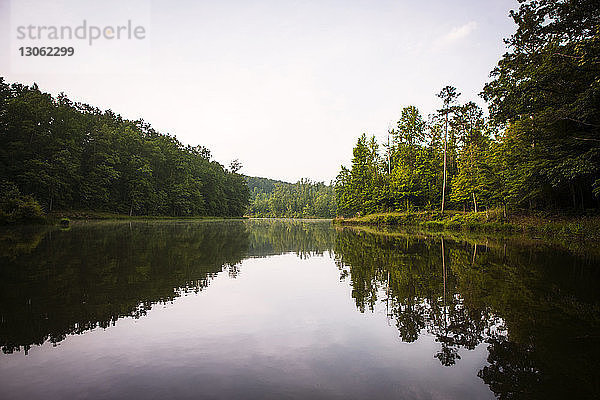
[{"x": 277, "y": 309}]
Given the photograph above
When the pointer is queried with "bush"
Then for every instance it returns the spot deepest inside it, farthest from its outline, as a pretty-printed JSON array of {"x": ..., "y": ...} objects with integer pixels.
[{"x": 16, "y": 207}]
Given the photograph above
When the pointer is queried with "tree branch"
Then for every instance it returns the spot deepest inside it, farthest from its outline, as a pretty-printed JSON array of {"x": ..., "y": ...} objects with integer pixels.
[
  {"x": 581, "y": 122},
  {"x": 588, "y": 139}
]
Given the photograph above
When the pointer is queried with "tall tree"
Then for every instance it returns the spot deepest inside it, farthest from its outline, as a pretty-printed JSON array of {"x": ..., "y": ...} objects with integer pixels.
[
  {"x": 547, "y": 90},
  {"x": 448, "y": 95},
  {"x": 411, "y": 127}
]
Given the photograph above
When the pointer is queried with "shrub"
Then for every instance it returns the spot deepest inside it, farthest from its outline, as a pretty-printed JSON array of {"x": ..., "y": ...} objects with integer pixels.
[{"x": 16, "y": 207}]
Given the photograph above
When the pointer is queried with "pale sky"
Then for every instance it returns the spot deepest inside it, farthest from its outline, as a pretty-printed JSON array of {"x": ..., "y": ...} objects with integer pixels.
[{"x": 284, "y": 86}]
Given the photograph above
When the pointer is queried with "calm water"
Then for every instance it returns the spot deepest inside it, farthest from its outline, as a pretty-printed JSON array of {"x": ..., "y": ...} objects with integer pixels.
[{"x": 292, "y": 309}]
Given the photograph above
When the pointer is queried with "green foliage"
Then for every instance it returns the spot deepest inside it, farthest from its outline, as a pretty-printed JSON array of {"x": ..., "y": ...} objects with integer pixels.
[
  {"x": 360, "y": 190},
  {"x": 73, "y": 156},
  {"x": 303, "y": 199},
  {"x": 16, "y": 207},
  {"x": 258, "y": 185},
  {"x": 547, "y": 90},
  {"x": 416, "y": 165},
  {"x": 540, "y": 149},
  {"x": 411, "y": 127},
  {"x": 584, "y": 228}
]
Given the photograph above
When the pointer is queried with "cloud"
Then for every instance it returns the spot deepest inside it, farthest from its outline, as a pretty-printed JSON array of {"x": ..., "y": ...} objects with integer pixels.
[{"x": 457, "y": 33}]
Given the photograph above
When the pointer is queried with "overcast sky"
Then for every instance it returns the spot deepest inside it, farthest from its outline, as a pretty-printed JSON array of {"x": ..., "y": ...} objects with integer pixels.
[{"x": 284, "y": 86}]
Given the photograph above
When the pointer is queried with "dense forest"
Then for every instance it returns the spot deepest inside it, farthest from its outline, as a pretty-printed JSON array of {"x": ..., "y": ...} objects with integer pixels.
[
  {"x": 539, "y": 148},
  {"x": 57, "y": 154},
  {"x": 303, "y": 199},
  {"x": 258, "y": 185}
]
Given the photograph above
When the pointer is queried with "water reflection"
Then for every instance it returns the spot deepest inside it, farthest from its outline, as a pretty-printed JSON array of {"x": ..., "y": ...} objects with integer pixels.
[
  {"x": 54, "y": 283},
  {"x": 419, "y": 289},
  {"x": 536, "y": 306},
  {"x": 305, "y": 238}
]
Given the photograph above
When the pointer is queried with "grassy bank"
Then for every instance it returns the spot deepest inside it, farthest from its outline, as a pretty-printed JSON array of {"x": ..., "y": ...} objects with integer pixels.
[
  {"x": 490, "y": 221},
  {"x": 55, "y": 217}
]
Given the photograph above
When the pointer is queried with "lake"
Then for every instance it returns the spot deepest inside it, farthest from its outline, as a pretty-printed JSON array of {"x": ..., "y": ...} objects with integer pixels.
[{"x": 272, "y": 309}]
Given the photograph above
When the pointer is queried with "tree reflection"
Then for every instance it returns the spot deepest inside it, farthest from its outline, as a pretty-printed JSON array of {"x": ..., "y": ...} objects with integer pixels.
[
  {"x": 512, "y": 372},
  {"x": 55, "y": 283},
  {"x": 305, "y": 238},
  {"x": 535, "y": 307},
  {"x": 528, "y": 302},
  {"x": 419, "y": 285},
  {"x": 73, "y": 281},
  {"x": 449, "y": 352}
]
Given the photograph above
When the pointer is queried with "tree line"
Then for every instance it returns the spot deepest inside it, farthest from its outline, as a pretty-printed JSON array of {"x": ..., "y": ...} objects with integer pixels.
[
  {"x": 67, "y": 155},
  {"x": 538, "y": 149},
  {"x": 303, "y": 199}
]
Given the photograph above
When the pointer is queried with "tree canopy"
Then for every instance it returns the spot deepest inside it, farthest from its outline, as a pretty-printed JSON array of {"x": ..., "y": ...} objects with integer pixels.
[
  {"x": 303, "y": 199},
  {"x": 539, "y": 147},
  {"x": 72, "y": 156}
]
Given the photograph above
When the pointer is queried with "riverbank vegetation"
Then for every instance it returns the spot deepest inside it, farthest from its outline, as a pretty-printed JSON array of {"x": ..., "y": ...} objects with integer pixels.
[
  {"x": 490, "y": 221},
  {"x": 57, "y": 154},
  {"x": 539, "y": 148},
  {"x": 18, "y": 208}
]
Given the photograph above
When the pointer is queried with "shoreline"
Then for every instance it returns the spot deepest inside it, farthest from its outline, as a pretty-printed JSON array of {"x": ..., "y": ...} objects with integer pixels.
[
  {"x": 493, "y": 221},
  {"x": 57, "y": 218}
]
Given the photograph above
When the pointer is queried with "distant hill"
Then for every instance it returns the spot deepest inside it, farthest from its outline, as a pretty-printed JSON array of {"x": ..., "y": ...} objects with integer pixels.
[{"x": 257, "y": 185}]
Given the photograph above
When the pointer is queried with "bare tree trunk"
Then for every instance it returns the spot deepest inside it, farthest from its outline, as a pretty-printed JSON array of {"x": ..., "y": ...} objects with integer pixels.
[
  {"x": 474, "y": 202},
  {"x": 389, "y": 155},
  {"x": 445, "y": 150}
]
